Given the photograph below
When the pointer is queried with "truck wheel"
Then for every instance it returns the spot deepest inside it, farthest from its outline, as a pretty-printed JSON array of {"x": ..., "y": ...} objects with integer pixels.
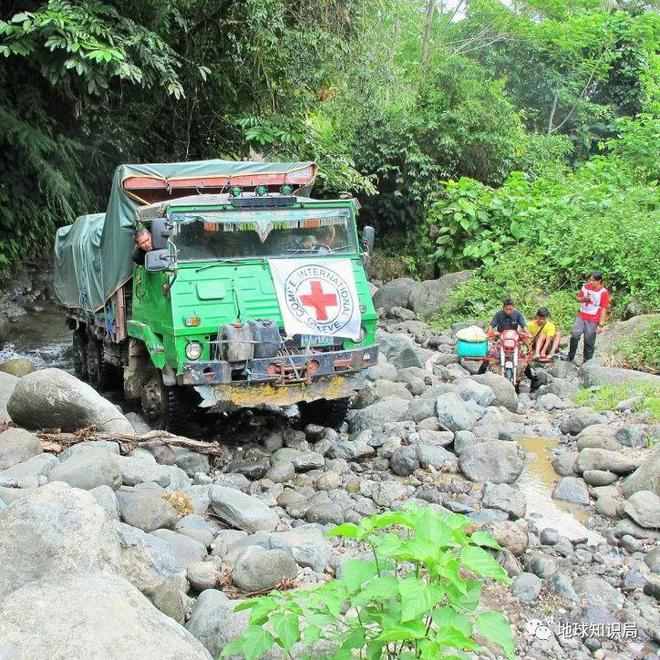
[
  {"x": 79, "y": 355},
  {"x": 162, "y": 405},
  {"x": 324, "y": 412},
  {"x": 94, "y": 363}
]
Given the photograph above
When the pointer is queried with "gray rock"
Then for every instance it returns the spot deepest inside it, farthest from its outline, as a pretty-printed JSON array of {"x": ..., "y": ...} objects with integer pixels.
[
  {"x": 600, "y": 436},
  {"x": 285, "y": 455},
  {"x": 431, "y": 296},
  {"x": 7, "y": 385},
  {"x": 197, "y": 528},
  {"x": 16, "y": 446},
  {"x": 646, "y": 476},
  {"x": 186, "y": 550},
  {"x": 510, "y": 535},
  {"x": 495, "y": 460},
  {"x": 609, "y": 506},
  {"x": 377, "y": 414},
  {"x": 203, "y": 575},
  {"x": 644, "y": 508},
  {"x": 594, "y": 375},
  {"x": 169, "y": 596},
  {"x": 52, "y": 398},
  {"x": 400, "y": 350},
  {"x": 470, "y": 390},
  {"x": 632, "y": 436},
  {"x": 549, "y": 536},
  {"x": 401, "y": 313},
  {"x": 37, "y": 466},
  {"x": 281, "y": 472},
  {"x": 325, "y": 514},
  {"x": 454, "y": 414},
  {"x": 105, "y": 497},
  {"x": 295, "y": 439},
  {"x": 550, "y": 401},
  {"x": 599, "y": 477},
  {"x": 225, "y": 539},
  {"x": 88, "y": 470},
  {"x": 562, "y": 585},
  {"x": 597, "y": 592},
  {"x": 53, "y": 530},
  {"x": 309, "y": 460},
  {"x": 652, "y": 587},
  {"x": 192, "y": 462},
  {"x": 505, "y": 498},
  {"x": 505, "y": 393},
  {"x": 146, "y": 508},
  {"x": 542, "y": 565},
  {"x": 258, "y": 569},
  {"x": 571, "y": 489},
  {"x": 564, "y": 463},
  {"x": 242, "y": 511},
  {"x": 404, "y": 461},
  {"x": 463, "y": 440},
  {"x": 199, "y": 496},
  {"x": 434, "y": 438},
  {"x": 579, "y": 419},
  {"x": 421, "y": 408},
  {"x": 526, "y": 587},
  {"x": 328, "y": 481},
  {"x": 112, "y": 619},
  {"x": 214, "y": 622},
  {"x": 385, "y": 493},
  {"x": 395, "y": 293},
  {"x": 603, "y": 459},
  {"x": 306, "y": 544},
  {"x": 352, "y": 449},
  {"x": 385, "y": 389},
  {"x": 436, "y": 457},
  {"x": 383, "y": 369},
  {"x": 652, "y": 560}
]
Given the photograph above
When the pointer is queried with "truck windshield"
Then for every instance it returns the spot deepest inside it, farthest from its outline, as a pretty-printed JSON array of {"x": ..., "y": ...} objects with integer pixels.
[{"x": 263, "y": 233}]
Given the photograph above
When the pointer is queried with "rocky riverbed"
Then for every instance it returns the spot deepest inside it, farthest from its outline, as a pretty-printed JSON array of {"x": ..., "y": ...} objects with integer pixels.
[{"x": 147, "y": 551}]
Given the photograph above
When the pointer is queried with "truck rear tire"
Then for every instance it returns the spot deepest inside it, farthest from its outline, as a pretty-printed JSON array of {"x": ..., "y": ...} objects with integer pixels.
[
  {"x": 325, "y": 412},
  {"x": 78, "y": 341}
]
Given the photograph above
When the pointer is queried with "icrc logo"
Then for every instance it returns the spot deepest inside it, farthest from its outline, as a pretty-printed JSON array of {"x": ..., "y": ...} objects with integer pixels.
[{"x": 319, "y": 298}]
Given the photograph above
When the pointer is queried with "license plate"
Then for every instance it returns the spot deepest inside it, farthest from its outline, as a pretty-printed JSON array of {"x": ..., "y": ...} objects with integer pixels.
[{"x": 316, "y": 340}]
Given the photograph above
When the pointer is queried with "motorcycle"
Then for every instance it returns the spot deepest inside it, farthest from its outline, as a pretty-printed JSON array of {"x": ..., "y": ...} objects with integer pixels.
[{"x": 512, "y": 358}]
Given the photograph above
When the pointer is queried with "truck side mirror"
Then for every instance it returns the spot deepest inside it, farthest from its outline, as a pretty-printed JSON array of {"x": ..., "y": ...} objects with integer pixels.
[
  {"x": 157, "y": 260},
  {"x": 368, "y": 239},
  {"x": 161, "y": 230}
]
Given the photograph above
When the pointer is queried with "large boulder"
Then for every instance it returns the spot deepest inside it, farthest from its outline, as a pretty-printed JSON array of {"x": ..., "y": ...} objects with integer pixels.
[
  {"x": 505, "y": 392},
  {"x": 454, "y": 413},
  {"x": 395, "y": 293},
  {"x": 7, "y": 385},
  {"x": 88, "y": 470},
  {"x": 242, "y": 511},
  {"x": 616, "y": 334},
  {"x": 495, "y": 461},
  {"x": 646, "y": 476},
  {"x": 92, "y": 616},
  {"x": 429, "y": 297},
  {"x": 399, "y": 349},
  {"x": 51, "y": 531},
  {"x": 214, "y": 622},
  {"x": 603, "y": 459},
  {"x": 377, "y": 414},
  {"x": 593, "y": 374},
  {"x": 644, "y": 508},
  {"x": 52, "y": 398},
  {"x": 258, "y": 569},
  {"x": 16, "y": 446}
]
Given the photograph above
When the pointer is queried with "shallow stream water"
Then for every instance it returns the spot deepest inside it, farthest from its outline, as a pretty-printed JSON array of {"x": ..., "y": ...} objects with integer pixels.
[
  {"x": 537, "y": 482},
  {"x": 42, "y": 337}
]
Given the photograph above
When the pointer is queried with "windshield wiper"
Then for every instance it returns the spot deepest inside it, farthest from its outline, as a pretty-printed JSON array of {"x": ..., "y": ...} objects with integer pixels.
[{"x": 222, "y": 262}]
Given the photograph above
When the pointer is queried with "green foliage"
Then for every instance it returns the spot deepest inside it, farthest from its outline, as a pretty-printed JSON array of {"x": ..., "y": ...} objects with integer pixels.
[
  {"x": 643, "y": 350},
  {"x": 417, "y": 598},
  {"x": 608, "y": 397}
]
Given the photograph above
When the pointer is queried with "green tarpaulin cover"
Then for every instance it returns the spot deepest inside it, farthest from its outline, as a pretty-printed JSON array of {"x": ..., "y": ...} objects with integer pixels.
[{"x": 93, "y": 256}]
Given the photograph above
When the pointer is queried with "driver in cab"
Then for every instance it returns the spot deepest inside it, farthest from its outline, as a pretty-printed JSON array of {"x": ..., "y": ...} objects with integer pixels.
[{"x": 143, "y": 244}]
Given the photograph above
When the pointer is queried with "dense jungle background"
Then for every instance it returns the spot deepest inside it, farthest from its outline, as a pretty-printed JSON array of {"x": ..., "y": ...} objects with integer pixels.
[{"x": 517, "y": 138}]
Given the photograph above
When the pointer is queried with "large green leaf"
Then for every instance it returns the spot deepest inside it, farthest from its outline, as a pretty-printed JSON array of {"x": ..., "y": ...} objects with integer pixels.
[
  {"x": 481, "y": 563},
  {"x": 496, "y": 628},
  {"x": 355, "y": 572},
  {"x": 418, "y": 598},
  {"x": 286, "y": 628}
]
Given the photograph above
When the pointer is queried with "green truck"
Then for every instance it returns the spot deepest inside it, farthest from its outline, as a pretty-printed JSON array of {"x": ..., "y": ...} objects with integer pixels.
[{"x": 253, "y": 294}]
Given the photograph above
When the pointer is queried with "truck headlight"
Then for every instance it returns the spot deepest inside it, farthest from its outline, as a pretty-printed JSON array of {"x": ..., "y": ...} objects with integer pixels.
[{"x": 193, "y": 350}]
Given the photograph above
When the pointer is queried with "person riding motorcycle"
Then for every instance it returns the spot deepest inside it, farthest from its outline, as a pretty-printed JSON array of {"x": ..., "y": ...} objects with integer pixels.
[{"x": 508, "y": 318}]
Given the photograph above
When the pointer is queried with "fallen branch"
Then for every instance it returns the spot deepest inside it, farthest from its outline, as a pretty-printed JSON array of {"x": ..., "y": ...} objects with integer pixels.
[{"x": 55, "y": 442}]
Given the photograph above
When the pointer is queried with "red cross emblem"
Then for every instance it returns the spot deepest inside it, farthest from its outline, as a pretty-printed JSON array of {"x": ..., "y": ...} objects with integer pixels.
[{"x": 319, "y": 300}]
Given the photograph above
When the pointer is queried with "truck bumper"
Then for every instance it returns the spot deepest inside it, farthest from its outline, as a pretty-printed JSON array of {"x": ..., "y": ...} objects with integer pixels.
[
  {"x": 256, "y": 395},
  {"x": 281, "y": 370}
]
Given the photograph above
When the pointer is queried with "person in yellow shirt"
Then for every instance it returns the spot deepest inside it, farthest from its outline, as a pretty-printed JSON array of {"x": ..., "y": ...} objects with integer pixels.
[{"x": 545, "y": 336}]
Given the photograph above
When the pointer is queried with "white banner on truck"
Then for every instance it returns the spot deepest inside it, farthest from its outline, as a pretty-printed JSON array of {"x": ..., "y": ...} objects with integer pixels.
[{"x": 317, "y": 298}]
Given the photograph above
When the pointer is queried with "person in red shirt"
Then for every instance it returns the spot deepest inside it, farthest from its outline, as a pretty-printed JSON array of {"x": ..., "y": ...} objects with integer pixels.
[{"x": 594, "y": 300}]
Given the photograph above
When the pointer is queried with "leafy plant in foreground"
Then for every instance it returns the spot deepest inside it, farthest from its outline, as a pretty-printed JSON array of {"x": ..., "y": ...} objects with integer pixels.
[{"x": 417, "y": 597}]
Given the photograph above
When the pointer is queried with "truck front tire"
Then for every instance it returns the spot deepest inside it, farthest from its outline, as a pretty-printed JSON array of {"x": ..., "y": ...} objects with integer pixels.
[{"x": 325, "y": 412}]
